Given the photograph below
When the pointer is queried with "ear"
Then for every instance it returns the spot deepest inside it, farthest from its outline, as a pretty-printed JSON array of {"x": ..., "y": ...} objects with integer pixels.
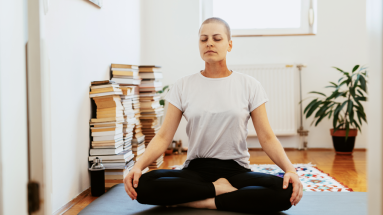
[{"x": 230, "y": 45}]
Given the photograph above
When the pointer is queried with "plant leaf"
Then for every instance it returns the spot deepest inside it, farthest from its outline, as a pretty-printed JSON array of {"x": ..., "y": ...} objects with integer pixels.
[
  {"x": 357, "y": 125},
  {"x": 322, "y": 109},
  {"x": 320, "y": 118},
  {"x": 329, "y": 116},
  {"x": 343, "y": 82},
  {"x": 338, "y": 69},
  {"x": 355, "y": 68},
  {"x": 347, "y": 129},
  {"x": 333, "y": 84},
  {"x": 309, "y": 105},
  {"x": 315, "y": 92},
  {"x": 313, "y": 108},
  {"x": 336, "y": 114},
  {"x": 363, "y": 83},
  {"x": 350, "y": 110}
]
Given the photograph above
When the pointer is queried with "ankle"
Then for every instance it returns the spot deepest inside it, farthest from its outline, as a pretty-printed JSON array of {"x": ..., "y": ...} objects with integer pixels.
[{"x": 210, "y": 204}]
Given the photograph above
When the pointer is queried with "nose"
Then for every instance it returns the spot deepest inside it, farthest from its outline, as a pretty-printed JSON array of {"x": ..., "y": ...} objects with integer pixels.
[{"x": 208, "y": 43}]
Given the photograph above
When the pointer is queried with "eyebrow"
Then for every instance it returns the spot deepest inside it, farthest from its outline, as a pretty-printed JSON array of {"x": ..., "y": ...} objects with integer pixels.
[{"x": 213, "y": 35}]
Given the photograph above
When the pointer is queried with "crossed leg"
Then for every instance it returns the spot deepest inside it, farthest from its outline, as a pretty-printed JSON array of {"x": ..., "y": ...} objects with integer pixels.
[
  {"x": 257, "y": 192},
  {"x": 171, "y": 187}
]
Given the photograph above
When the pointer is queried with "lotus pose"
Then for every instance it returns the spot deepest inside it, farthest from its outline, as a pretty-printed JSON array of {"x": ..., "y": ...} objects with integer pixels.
[{"x": 217, "y": 104}]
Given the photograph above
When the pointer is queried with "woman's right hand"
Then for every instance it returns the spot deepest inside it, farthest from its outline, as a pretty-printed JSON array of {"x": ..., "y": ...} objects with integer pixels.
[{"x": 133, "y": 176}]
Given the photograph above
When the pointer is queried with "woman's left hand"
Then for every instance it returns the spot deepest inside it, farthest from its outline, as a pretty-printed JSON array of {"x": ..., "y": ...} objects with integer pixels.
[{"x": 297, "y": 187}]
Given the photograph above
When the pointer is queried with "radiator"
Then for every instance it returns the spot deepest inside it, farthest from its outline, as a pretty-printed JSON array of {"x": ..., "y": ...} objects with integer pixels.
[{"x": 278, "y": 82}]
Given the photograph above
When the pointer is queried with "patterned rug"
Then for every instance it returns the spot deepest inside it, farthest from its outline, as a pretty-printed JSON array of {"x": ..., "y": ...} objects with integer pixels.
[{"x": 312, "y": 178}]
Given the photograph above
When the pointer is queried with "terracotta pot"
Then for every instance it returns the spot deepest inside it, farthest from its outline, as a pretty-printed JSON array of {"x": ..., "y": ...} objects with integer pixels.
[
  {"x": 342, "y": 146},
  {"x": 169, "y": 151}
]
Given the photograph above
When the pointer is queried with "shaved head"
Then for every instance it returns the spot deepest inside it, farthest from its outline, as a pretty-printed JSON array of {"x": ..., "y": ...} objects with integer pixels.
[{"x": 218, "y": 20}]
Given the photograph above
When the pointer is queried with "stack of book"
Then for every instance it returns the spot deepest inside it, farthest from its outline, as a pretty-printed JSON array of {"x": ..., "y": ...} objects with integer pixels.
[
  {"x": 151, "y": 109},
  {"x": 107, "y": 131},
  {"x": 128, "y": 77},
  {"x": 125, "y": 74},
  {"x": 129, "y": 114}
]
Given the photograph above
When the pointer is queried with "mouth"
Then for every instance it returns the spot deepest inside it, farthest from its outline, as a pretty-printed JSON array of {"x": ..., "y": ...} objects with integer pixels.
[{"x": 210, "y": 52}]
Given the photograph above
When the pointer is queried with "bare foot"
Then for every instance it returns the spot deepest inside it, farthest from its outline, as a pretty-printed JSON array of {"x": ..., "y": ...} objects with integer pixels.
[
  {"x": 202, "y": 204},
  {"x": 222, "y": 186}
]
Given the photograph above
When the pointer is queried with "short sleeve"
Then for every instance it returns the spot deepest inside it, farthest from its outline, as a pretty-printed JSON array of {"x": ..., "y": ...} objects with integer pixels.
[
  {"x": 174, "y": 95},
  {"x": 258, "y": 95}
]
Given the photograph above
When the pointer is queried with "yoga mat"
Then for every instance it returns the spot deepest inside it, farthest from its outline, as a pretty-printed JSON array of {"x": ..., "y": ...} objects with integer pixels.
[{"x": 117, "y": 202}]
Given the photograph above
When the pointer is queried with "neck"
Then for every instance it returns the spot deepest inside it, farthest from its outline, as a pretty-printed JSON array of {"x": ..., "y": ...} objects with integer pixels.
[{"x": 216, "y": 70}]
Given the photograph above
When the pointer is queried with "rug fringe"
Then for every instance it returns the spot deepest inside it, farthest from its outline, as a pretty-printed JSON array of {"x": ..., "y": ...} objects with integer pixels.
[{"x": 348, "y": 188}]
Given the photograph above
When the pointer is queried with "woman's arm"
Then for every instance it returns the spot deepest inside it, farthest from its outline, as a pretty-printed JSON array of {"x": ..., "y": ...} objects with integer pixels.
[
  {"x": 162, "y": 139},
  {"x": 268, "y": 140},
  {"x": 275, "y": 151},
  {"x": 156, "y": 147}
]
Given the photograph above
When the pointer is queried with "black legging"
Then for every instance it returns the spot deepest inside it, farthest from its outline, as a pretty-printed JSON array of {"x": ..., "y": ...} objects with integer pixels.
[{"x": 257, "y": 192}]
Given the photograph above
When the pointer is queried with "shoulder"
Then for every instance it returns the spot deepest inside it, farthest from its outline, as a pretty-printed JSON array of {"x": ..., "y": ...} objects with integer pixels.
[
  {"x": 246, "y": 79},
  {"x": 185, "y": 79}
]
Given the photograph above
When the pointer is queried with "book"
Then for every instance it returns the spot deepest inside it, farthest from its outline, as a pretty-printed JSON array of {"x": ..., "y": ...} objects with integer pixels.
[
  {"x": 105, "y": 151},
  {"x": 122, "y": 155},
  {"x": 109, "y": 119},
  {"x": 102, "y": 82},
  {"x": 127, "y": 81},
  {"x": 105, "y": 94},
  {"x": 126, "y": 66},
  {"x": 106, "y": 133},
  {"x": 109, "y": 137},
  {"x": 151, "y": 75},
  {"x": 104, "y": 86},
  {"x": 105, "y": 89}
]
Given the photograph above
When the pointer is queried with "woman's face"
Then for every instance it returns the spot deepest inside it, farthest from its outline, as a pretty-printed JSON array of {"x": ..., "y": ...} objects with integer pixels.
[{"x": 213, "y": 42}]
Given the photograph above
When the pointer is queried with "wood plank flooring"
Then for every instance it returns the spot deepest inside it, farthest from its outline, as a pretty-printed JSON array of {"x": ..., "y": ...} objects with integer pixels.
[{"x": 350, "y": 170}]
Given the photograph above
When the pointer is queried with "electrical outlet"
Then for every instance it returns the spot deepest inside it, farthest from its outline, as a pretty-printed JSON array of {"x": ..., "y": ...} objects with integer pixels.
[{"x": 97, "y": 2}]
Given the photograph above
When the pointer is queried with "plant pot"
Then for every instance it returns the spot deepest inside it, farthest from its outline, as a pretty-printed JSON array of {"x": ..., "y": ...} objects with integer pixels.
[
  {"x": 169, "y": 151},
  {"x": 342, "y": 146}
]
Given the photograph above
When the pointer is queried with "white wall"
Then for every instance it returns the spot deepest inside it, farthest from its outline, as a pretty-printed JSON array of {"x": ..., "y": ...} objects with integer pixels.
[
  {"x": 169, "y": 38},
  {"x": 13, "y": 112},
  {"x": 83, "y": 41},
  {"x": 375, "y": 152}
]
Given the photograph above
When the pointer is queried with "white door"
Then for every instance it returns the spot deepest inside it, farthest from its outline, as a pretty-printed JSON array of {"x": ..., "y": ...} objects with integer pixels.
[{"x": 13, "y": 107}]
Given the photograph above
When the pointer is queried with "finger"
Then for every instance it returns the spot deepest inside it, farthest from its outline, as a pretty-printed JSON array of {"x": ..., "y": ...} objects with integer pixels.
[
  {"x": 129, "y": 185},
  {"x": 131, "y": 189},
  {"x": 135, "y": 180},
  {"x": 286, "y": 180},
  {"x": 296, "y": 186},
  {"x": 127, "y": 191},
  {"x": 298, "y": 199},
  {"x": 295, "y": 192}
]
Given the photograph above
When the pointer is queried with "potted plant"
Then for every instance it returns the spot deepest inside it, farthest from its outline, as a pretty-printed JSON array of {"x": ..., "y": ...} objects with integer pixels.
[{"x": 344, "y": 113}]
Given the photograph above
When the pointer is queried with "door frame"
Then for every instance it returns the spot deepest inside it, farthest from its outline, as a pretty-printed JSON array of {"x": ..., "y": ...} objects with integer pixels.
[{"x": 39, "y": 114}]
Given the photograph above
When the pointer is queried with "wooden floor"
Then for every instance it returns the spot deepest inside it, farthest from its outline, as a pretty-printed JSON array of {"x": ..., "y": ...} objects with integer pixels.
[{"x": 350, "y": 170}]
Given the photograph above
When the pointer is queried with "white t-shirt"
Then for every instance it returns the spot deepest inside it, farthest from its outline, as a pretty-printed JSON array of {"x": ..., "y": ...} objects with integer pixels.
[{"x": 217, "y": 111}]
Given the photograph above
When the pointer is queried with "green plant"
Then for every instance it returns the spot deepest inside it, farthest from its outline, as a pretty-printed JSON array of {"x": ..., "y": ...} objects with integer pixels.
[
  {"x": 354, "y": 93},
  {"x": 164, "y": 89}
]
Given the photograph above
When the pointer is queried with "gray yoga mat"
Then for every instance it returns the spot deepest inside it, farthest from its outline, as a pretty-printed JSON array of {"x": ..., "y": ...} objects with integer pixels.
[{"x": 117, "y": 202}]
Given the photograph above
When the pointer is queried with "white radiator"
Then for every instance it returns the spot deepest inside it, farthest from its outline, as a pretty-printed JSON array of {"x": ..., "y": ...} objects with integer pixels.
[{"x": 278, "y": 82}]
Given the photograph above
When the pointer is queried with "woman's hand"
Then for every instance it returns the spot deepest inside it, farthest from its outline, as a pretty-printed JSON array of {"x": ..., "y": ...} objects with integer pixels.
[
  {"x": 297, "y": 187},
  {"x": 133, "y": 176}
]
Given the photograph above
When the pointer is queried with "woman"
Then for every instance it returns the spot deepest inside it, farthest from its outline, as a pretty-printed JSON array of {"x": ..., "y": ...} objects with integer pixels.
[{"x": 217, "y": 104}]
